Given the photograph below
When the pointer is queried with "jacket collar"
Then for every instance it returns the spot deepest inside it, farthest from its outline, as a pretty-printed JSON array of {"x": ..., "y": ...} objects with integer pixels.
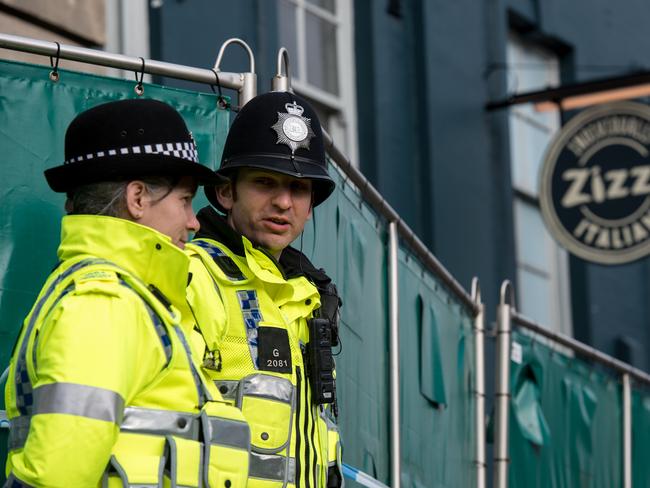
[
  {"x": 139, "y": 250},
  {"x": 292, "y": 263},
  {"x": 215, "y": 227}
]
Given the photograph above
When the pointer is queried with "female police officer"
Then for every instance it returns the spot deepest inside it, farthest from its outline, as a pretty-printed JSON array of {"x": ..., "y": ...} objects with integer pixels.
[{"x": 102, "y": 388}]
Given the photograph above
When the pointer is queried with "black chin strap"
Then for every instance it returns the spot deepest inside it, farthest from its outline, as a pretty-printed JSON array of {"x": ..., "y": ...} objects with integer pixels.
[{"x": 296, "y": 168}]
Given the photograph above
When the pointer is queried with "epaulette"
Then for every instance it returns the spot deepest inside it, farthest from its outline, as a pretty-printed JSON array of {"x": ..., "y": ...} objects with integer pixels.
[
  {"x": 221, "y": 259},
  {"x": 294, "y": 263},
  {"x": 102, "y": 281}
]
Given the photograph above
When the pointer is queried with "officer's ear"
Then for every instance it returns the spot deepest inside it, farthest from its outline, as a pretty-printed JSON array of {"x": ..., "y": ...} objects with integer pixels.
[
  {"x": 226, "y": 195},
  {"x": 311, "y": 205},
  {"x": 137, "y": 197}
]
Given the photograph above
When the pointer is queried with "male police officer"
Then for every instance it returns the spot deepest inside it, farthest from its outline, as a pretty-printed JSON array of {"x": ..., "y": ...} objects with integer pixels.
[
  {"x": 103, "y": 390},
  {"x": 266, "y": 316}
]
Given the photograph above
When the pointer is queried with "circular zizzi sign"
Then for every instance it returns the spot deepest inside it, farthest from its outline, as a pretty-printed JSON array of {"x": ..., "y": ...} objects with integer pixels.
[{"x": 595, "y": 184}]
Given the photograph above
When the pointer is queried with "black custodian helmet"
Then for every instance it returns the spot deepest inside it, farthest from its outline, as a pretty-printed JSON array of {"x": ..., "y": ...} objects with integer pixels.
[{"x": 277, "y": 131}]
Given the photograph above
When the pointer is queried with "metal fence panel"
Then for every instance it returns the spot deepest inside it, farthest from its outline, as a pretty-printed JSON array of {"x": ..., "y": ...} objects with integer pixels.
[
  {"x": 436, "y": 369},
  {"x": 348, "y": 240},
  {"x": 436, "y": 352},
  {"x": 640, "y": 437}
]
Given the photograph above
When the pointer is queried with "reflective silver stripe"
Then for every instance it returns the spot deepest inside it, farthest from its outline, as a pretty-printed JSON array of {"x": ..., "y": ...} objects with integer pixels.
[
  {"x": 291, "y": 471},
  {"x": 231, "y": 433},
  {"x": 220, "y": 431},
  {"x": 82, "y": 400},
  {"x": 160, "y": 422},
  {"x": 18, "y": 430},
  {"x": 170, "y": 467},
  {"x": 136, "y": 419},
  {"x": 228, "y": 389},
  {"x": 331, "y": 424},
  {"x": 113, "y": 469},
  {"x": 267, "y": 386},
  {"x": 202, "y": 391},
  {"x": 272, "y": 467}
]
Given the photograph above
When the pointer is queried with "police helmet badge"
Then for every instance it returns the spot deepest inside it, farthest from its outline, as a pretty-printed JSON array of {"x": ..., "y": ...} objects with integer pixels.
[{"x": 292, "y": 128}]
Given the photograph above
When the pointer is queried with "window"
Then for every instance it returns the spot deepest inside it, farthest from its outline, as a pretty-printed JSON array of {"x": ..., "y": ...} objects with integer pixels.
[
  {"x": 127, "y": 31},
  {"x": 542, "y": 266},
  {"x": 318, "y": 36}
]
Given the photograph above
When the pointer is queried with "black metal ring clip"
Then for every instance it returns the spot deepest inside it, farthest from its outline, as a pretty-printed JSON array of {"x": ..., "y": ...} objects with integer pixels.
[
  {"x": 54, "y": 63},
  {"x": 221, "y": 100},
  {"x": 139, "y": 89}
]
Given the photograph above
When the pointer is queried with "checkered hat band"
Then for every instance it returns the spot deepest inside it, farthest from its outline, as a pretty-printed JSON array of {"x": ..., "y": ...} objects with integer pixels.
[{"x": 183, "y": 150}]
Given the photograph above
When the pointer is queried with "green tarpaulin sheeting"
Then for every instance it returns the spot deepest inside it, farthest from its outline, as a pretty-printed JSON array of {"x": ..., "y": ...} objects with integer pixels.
[
  {"x": 566, "y": 423},
  {"x": 641, "y": 437}
]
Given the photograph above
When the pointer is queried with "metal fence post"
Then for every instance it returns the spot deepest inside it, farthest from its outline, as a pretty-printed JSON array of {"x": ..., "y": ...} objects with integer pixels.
[
  {"x": 502, "y": 391},
  {"x": 479, "y": 386},
  {"x": 394, "y": 355},
  {"x": 627, "y": 432}
]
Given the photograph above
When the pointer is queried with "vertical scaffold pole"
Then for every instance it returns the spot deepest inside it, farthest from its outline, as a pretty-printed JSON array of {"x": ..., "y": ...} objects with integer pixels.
[
  {"x": 502, "y": 392},
  {"x": 394, "y": 355},
  {"x": 479, "y": 386},
  {"x": 627, "y": 432},
  {"x": 248, "y": 89}
]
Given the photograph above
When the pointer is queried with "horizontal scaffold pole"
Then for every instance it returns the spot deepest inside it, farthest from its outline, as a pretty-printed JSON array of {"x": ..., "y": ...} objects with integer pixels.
[{"x": 120, "y": 61}]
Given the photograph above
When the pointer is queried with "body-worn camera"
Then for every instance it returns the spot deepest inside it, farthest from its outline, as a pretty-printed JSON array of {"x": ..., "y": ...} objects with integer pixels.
[
  {"x": 323, "y": 335},
  {"x": 320, "y": 361},
  {"x": 329, "y": 309}
]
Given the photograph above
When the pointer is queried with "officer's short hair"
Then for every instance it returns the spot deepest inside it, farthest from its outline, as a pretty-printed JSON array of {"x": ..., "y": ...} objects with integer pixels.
[{"x": 109, "y": 197}]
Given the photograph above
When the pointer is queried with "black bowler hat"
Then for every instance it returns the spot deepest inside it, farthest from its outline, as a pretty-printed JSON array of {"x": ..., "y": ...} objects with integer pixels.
[
  {"x": 277, "y": 131},
  {"x": 124, "y": 140}
]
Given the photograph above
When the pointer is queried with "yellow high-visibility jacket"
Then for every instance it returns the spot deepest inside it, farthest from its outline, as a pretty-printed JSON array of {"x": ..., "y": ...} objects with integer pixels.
[
  {"x": 251, "y": 323},
  {"x": 102, "y": 390}
]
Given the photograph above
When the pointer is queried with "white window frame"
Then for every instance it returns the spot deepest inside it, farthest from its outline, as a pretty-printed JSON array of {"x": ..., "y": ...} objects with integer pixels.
[
  {"x": 558, "y": 265},
  {"x": 127, "y": 32},
  {"x": 342, "y": 123},
  {"x": 558, "y": 273}
]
